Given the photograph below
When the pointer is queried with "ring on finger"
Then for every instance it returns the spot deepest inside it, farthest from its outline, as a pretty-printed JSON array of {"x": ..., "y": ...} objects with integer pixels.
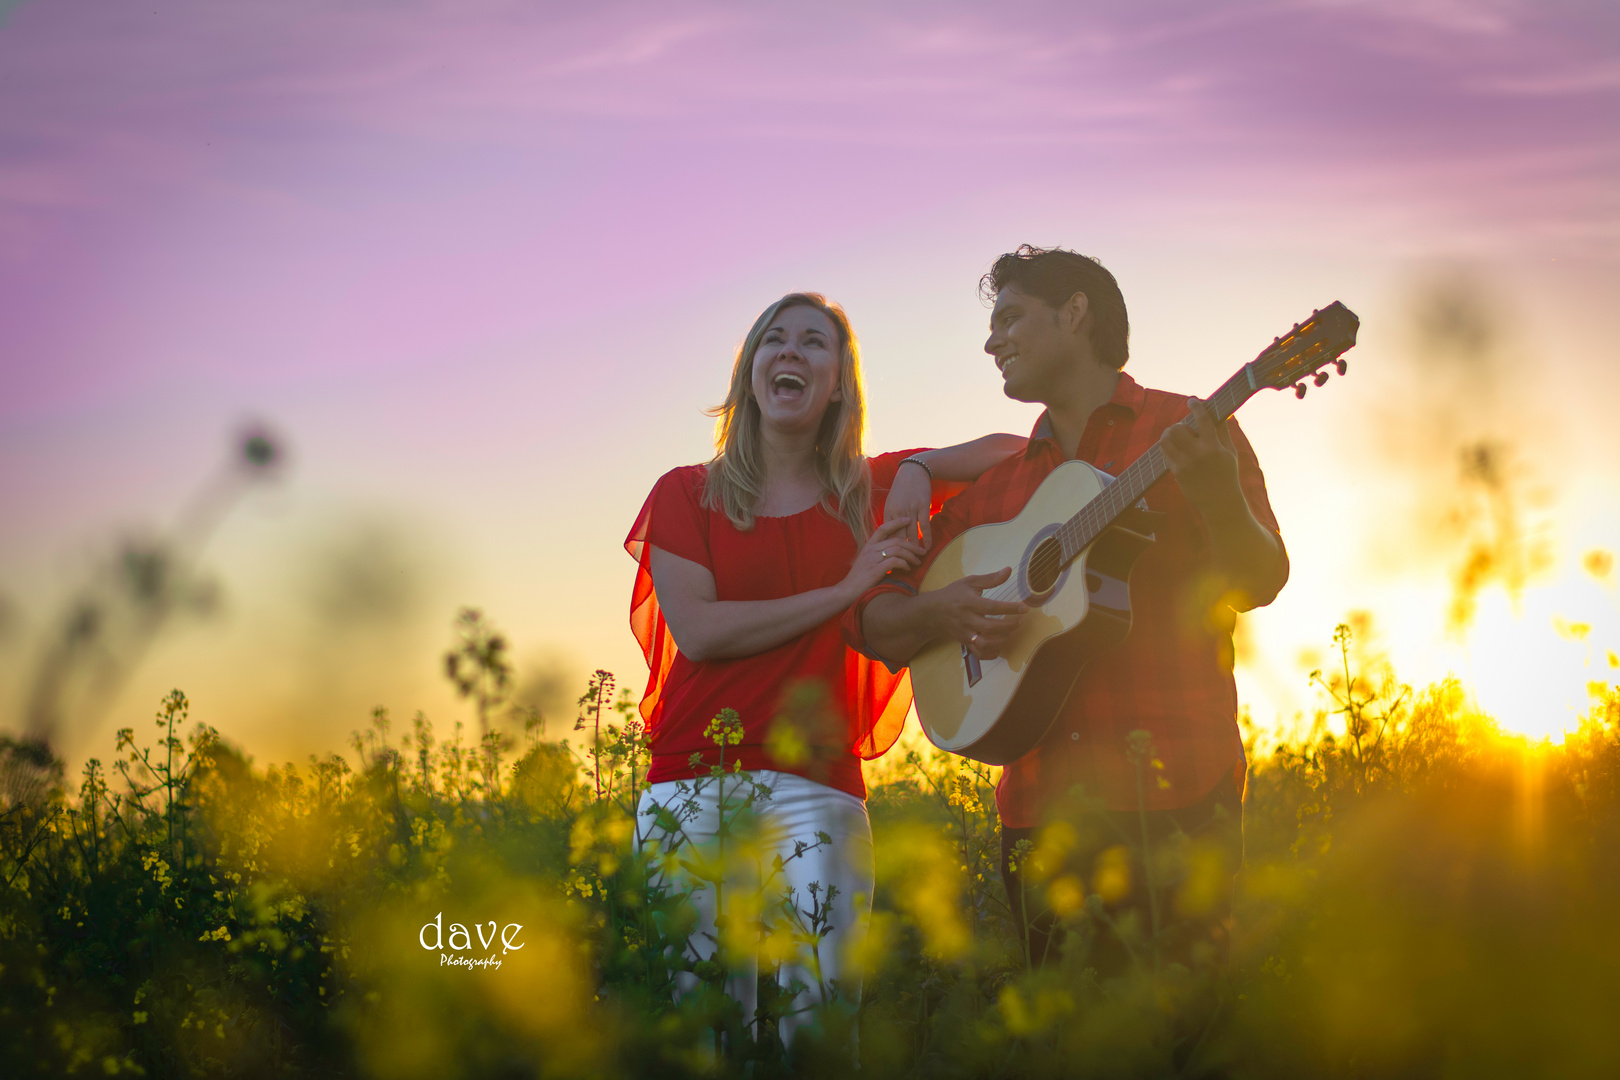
[
  {"x": 973, "y": 639},
  {"x": 883, "y": 554}
]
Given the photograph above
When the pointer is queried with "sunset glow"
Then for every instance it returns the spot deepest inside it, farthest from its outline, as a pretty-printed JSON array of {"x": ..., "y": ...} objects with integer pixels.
[
  {"x": 482, "y": 272},
  {"x": 342, "y": 343}
]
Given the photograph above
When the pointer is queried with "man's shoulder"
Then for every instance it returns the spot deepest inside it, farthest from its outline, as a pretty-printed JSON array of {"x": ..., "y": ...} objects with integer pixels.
[{"x": 1163, "y": 407}]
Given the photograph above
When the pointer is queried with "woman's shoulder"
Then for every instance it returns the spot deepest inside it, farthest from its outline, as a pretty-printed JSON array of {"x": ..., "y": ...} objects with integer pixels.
[
  {"x": 688, "y": 478},
  {"x": 673, "y": 517}
]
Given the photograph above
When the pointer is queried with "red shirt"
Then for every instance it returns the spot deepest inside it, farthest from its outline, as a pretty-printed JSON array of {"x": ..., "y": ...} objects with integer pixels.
[
  {"x": 1172, "y": 675},
  {"x": 842, "y": 706}
]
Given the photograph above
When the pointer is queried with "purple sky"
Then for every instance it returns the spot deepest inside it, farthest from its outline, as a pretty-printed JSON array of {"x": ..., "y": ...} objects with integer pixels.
[{"x": 483, "y": 263}]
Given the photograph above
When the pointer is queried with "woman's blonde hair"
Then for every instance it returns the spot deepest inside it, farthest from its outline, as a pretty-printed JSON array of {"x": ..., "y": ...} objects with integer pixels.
[{"x": 737, "y": 474}]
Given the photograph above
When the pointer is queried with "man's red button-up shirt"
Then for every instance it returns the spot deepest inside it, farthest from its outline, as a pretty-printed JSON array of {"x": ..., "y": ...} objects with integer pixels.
[{"x": 1172, "y": 675}]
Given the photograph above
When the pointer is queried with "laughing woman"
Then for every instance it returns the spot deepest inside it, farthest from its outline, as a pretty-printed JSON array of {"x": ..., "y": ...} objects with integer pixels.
[{"x": 746, "y": 565}]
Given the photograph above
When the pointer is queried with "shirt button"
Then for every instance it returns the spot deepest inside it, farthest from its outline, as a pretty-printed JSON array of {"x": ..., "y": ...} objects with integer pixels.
[
  {"x": 1074, "y": 735},
  {"x": 1110, "y": 423}
]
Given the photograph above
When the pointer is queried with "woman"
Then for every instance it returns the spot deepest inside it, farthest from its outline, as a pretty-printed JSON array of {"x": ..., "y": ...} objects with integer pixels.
[{"x": 746, "y": 565}]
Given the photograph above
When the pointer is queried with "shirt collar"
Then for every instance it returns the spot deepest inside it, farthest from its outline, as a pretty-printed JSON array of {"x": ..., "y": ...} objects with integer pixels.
[{"x": 1128, "y": 399}]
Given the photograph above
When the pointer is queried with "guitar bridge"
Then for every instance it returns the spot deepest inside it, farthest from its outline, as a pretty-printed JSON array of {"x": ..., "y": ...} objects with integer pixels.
[{"x": 971, "y": 663}]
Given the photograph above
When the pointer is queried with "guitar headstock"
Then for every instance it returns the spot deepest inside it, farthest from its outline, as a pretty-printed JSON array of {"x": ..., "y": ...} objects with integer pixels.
[{"x": 1307, "y": 349}]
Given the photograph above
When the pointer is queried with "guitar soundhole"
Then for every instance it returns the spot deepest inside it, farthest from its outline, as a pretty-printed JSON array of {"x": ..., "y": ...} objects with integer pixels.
[{"x": 1045, "y": 564}]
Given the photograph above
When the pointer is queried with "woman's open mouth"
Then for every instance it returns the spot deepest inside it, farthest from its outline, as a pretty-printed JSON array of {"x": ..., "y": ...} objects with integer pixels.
[{"x": 786, "y": 386}]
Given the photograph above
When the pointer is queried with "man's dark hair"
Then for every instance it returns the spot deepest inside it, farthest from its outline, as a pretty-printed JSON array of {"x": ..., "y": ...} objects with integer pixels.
[{"x": 1054, "y": 275}]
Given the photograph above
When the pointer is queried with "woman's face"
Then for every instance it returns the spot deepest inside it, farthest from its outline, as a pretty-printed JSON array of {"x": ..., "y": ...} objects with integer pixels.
[{"x": 796, "y": 370}]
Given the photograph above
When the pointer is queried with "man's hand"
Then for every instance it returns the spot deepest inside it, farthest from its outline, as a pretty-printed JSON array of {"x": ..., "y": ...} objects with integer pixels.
[
  {"x": 1201, "y": 457},
  {"x": 896, "y": 626},
  {"x": 961, "y": 612}
]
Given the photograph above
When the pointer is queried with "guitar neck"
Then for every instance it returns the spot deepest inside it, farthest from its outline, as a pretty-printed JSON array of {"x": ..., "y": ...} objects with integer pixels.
[{"x": 1078, "y": 532}]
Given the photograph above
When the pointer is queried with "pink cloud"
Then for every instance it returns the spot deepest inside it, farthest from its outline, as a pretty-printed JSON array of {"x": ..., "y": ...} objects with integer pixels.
[{"x": 276, "y": 188}]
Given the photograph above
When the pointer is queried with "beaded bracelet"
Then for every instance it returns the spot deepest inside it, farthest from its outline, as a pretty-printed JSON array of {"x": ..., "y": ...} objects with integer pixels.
[{"x": 919, "y": 461}]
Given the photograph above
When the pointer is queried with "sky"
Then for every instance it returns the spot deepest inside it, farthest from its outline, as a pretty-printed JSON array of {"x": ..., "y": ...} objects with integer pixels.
[{"x": 480, "y": 267}]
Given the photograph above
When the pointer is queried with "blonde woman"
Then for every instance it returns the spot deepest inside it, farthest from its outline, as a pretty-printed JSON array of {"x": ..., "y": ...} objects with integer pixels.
[{"x": 746, "y": 565}]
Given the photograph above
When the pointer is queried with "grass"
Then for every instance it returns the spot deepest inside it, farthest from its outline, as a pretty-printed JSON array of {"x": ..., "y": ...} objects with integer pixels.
[{"x": 1422, "y": 896}]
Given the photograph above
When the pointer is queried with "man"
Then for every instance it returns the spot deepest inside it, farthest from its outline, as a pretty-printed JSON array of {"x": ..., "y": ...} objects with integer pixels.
[{"x": 1059, "y": 335}]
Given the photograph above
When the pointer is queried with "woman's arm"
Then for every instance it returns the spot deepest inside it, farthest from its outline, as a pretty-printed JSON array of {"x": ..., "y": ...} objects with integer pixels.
[
  {"x": 911, "y": 496},
  {"x": 706, "y": 628}
]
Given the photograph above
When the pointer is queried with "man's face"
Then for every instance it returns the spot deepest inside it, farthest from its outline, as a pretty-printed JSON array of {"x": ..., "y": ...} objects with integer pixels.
[{"x": 1034, "y": 344}]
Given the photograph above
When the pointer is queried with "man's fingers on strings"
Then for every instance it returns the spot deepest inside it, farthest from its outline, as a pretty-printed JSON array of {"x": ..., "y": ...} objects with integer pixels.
[
  {"x": 987, "y": 581},
  {"x": 995, "y": 631},
  {"x": 989, "y": 642},
  {"x": 1179, "y": 446},
  {"x": 1204, "y": 424},
  {"x": 999, "y": 608}
]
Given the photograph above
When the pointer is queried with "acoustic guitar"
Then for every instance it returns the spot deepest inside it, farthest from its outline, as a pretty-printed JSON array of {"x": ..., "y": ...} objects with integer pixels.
[{"x": 1071, "y": 548}]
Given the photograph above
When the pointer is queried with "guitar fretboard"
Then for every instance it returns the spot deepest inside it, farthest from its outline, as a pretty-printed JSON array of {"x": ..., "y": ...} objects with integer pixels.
[{"x": 1076, "y": 534}]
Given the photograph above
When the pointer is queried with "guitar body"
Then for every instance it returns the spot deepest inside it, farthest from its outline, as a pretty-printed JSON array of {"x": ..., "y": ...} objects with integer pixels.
[
  {"x": 1071, "y": 549},
  {"x": 995, "y": 711}
]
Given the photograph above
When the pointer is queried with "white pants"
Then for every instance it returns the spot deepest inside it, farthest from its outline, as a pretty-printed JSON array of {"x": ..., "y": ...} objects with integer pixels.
[{"x": 795, "y": 812}]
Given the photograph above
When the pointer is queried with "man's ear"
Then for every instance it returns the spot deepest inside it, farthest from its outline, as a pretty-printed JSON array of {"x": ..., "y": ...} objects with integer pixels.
[{"x": 1074, "y": 312}]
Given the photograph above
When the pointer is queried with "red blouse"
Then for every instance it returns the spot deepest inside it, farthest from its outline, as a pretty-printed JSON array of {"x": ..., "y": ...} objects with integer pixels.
[{"x": 810, "y": 706}]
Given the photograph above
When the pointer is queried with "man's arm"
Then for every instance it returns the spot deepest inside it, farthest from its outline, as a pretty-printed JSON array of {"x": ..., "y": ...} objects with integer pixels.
[
  {"x": 896, "y": 625},
  {"x": 892, "y": 622},
  {"x": 1205, "y": 464}
]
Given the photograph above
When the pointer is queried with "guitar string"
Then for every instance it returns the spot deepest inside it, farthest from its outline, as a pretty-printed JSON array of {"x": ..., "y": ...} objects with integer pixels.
[
  {"x": 1079, "y": 531},
  {"x": 1100, "y": 512}
]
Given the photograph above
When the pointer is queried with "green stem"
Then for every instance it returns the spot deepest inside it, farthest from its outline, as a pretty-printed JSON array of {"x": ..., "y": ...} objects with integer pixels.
[{"x": 1147, "y": 862}]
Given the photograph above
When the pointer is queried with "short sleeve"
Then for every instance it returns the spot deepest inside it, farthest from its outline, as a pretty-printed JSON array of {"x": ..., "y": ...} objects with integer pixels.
[
  {"x": 879, "y": 700},
  {"x": 1251, "y": 479},
  {"x": 1253, "y": 483},
  {"x": 672, "y": 518}
]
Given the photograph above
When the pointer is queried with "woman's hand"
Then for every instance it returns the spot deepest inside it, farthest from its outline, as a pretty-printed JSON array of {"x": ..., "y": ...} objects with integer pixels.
[
  {"x": 888, "y": 549},
  {"x": 911, "y": 498}
]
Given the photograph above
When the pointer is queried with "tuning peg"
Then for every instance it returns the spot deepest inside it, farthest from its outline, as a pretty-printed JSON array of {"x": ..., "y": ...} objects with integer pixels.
[
  {"x": 1342, "y": 365},
  {"x": 1321, "y": 378},
  {"x": 1299, "y": 389}
]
